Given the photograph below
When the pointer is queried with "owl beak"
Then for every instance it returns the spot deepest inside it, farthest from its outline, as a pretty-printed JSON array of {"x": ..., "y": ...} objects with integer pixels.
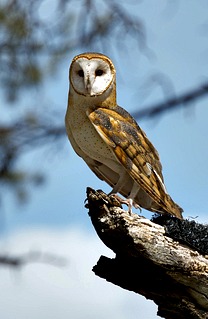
[
  {"x": 88, "y": 81},
  {"x": 87, "y": 84}
]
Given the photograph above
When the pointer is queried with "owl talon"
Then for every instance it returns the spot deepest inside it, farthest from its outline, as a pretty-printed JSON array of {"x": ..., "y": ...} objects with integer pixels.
[
  {"x": 130, "y": 202},
  {"x": 137, "y": 206}
]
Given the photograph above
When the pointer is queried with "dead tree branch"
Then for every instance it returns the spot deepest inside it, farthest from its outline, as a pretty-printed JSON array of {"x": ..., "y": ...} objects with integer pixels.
[{"x": 148, "y": 261}]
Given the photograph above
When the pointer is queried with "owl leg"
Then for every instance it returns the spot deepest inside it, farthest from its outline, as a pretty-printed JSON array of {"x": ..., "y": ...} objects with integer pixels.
[
  {"x": 118, "y": 186},
  {"x": 135, "y": 189}
]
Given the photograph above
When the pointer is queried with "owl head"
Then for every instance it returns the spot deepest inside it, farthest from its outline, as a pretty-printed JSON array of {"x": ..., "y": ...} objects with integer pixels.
[{"x": 92, "y": 74}]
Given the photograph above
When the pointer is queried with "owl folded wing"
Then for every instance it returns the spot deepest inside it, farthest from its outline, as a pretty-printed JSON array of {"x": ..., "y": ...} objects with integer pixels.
[{"x": 134, "y": 151}]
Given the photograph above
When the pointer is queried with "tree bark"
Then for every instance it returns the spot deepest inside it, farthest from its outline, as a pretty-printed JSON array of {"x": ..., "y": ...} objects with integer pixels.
[{"x": 148, "y": 261}]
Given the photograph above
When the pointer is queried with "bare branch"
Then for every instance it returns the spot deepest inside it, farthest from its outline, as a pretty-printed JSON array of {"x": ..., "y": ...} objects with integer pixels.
[
  {"x": 32, "y": 257},
  {"x": 173, "y": 103}
]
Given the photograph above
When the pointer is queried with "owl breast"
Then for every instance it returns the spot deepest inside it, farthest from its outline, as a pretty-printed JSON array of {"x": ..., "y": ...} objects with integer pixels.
[{"x": 89, "y": 141}]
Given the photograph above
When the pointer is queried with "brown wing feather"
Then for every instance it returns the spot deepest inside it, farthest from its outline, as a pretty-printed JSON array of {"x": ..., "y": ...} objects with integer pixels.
[{"x": 135, "y": 152}]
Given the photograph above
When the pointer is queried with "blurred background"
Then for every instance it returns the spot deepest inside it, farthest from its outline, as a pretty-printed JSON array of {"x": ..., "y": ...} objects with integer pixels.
[{"x": 47, "y": 243}]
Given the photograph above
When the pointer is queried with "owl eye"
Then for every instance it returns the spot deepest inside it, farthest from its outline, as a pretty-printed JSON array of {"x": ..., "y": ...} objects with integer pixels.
[
  {"x": 99, "y": 72},
  {"x": 81, "y": 73}
]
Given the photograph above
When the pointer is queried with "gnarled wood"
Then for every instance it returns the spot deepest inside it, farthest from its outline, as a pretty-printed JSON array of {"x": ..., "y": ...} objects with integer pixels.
[{"x": 173, "y": 275}]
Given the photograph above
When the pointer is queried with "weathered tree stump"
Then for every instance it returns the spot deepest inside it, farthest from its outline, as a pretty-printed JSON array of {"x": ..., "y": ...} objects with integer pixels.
[{"x": 173, "y": 273}]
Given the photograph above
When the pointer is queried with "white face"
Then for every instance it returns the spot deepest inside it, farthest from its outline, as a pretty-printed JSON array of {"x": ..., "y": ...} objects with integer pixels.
[{"x": 91, "y": 77}]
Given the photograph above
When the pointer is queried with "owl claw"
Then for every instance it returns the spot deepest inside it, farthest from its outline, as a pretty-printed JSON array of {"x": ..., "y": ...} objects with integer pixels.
[{"x": 128, "y": 201}]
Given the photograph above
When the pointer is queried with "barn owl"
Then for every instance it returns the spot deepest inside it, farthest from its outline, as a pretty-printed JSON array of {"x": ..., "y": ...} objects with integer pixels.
[{"x": 108, "y": 138}]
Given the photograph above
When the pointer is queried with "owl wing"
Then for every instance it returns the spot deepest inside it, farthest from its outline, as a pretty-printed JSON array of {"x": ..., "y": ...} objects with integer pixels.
[{"x": 135, "y": 152}]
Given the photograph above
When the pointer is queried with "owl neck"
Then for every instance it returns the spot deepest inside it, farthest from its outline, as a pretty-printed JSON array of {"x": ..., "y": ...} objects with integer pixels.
[{"x": 105, "y": 100}]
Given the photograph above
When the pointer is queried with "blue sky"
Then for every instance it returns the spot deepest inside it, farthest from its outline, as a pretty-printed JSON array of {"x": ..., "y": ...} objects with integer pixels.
[{"x": 55, "y": 212}]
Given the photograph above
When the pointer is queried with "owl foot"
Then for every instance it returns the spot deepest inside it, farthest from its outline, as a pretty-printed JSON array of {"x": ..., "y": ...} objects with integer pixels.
[{"x": 128, "y": 201}]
